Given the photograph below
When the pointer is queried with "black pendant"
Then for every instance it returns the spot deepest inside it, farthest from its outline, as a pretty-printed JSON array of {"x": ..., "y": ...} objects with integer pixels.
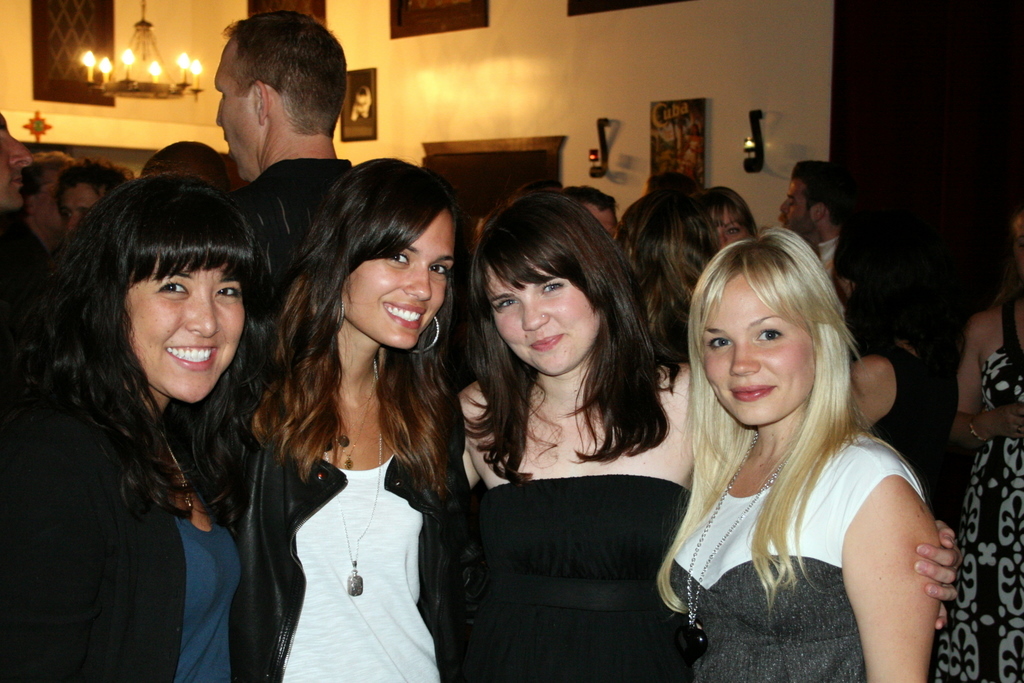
[{"x": 692, "y": 642}]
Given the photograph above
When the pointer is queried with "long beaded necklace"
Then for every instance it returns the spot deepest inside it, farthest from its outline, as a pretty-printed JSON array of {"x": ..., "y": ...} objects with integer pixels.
[{"x": 693, "y": 640}]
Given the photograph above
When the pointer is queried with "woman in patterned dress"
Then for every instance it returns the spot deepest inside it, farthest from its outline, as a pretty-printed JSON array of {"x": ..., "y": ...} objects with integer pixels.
[{"x": 985, "y": 638}]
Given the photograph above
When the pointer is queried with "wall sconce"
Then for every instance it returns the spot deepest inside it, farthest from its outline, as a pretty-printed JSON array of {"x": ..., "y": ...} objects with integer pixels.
[
  {"x": 753, "y": 146},
  {"x": 599, "y": 157}
]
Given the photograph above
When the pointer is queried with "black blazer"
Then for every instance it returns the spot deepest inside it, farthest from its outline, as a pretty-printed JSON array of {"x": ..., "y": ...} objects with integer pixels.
[{"x": 88, "y": 592}]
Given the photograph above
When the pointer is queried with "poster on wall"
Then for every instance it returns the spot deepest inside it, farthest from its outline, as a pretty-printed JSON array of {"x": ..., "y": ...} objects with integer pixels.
[
  {"x": 359, "y": 114},
  {"x": 677, "y": 138}
]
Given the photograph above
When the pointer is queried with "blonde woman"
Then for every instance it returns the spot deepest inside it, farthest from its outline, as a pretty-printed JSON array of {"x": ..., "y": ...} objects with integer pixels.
[{"x": 795, "y": 560}]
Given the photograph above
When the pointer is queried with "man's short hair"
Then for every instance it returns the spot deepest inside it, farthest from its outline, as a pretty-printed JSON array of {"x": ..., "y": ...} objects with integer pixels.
[
  {"x": 591, "y": 195},
  {"x": 32, "y": 175},
  {"x": 829, "y": 184},
  {"x": 299, "y": 58},
  {"x": 101, "y": 175}
]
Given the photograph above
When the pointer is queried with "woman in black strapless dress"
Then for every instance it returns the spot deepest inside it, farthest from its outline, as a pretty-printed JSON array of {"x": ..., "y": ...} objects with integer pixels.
[{"x": 578, "y": 433}]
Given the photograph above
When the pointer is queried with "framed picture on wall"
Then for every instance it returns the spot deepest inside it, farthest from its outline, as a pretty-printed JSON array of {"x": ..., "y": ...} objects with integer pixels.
[
  {"x": 419, "y": 17},
  {"x": 591, "y": 6},
  {"x": 359, "y": 115},
  {"x": 677, "y": 138}
]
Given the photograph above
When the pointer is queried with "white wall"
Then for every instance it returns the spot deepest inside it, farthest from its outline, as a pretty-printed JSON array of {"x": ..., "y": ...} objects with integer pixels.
[{"x": 534, "y": 71}]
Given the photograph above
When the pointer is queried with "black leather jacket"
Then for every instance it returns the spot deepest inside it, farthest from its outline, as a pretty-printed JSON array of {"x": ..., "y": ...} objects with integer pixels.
[{"x": 268, "y": 603}]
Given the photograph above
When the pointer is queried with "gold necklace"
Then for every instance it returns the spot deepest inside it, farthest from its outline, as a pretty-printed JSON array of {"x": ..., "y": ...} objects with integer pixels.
[
  {"x": 183, "y": 486},
  {"x": 343, "y": 441}
]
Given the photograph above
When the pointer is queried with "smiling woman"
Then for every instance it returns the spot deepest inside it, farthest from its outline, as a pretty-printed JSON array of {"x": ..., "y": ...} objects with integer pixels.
[
  {"x": 117, "y": 565},
  {"x": 795, "y": 509},
  {"x": 357, "y": 524}
]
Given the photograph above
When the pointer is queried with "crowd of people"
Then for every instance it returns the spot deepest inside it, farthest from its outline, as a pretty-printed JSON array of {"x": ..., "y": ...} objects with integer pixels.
[{"x": 235, "y": 445}]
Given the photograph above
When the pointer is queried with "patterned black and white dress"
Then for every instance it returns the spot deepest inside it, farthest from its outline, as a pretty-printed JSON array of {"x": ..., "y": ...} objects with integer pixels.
[{"x": 985, "y": 637}]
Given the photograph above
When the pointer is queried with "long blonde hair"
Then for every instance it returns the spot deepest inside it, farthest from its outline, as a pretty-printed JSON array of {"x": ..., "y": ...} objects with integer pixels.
[{"x": 787, "y": 277}]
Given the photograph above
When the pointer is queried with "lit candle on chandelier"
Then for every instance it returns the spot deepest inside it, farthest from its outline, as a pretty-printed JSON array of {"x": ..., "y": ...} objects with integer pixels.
[
  {"x": 155, "y": 71},
  {"x": 128, "y": 57},
  {"x": 105, "y": 68},
  {"x": 183, "y": 63},
  {"x": 196, "y": 69},
  {"x": 89, "y": 59}
]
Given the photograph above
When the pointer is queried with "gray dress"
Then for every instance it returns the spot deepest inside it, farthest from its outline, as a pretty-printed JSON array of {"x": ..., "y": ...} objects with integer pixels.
[{"x": 810, "y": 634}]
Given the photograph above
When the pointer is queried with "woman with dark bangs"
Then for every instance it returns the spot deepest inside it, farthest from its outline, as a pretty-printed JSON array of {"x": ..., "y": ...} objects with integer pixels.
[
  {"x": 350, "y": 549},
  {"x": 118, "y": 472},
  {"x": 579, "y": 433}
]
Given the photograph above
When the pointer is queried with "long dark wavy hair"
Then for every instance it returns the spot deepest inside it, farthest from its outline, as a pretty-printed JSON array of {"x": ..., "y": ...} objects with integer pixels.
[
  {"x": 376, "y": 210},
  {"x": 903, "y": 287},
  {"x": 668, "y": 240},
  {"x": 537, "y": 237},
  {"x": 79, "y": 357}
]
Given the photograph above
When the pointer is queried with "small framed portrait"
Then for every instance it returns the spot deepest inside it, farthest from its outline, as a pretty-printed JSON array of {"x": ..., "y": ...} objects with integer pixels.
[{"x": 359, "y": 115}]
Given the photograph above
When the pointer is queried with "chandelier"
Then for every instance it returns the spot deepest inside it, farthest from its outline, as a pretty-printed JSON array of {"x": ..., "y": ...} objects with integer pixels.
[{"x": 142, "y": 56}]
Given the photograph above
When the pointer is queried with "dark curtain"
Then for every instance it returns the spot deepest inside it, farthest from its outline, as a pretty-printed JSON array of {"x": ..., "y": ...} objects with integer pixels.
[{"x": 927, "y": 115}]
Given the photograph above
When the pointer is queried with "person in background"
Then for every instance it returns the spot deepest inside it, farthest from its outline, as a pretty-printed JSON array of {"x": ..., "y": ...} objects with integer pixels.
[
  {"x": 82, "y": 184},
  {"x": 120, "y": 472},
  {"x": 902, "y": 309},
  {"x": 668, "y": 241},
  {"x": 795, "y": 510},
  {"x": 597, "y": 203},
  {"x": 29, "y": 243},
  {"x": 729, "y": 214},
  {"x": 990, "y": 417},
  {"x": 352, "y": 545},
  {"x": 191, "y": 158},
  {"x": 14, "y": 156},
  {"x": 821, "y": 197},
  {"x": 282, "y": 84}
]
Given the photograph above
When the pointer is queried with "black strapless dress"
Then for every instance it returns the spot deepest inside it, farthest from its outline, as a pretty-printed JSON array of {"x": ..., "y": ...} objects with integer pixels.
[{"x": 572, "y": 595}]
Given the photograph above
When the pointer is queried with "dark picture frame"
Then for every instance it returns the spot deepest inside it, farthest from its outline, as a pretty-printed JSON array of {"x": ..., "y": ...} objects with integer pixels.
[
  {"x": 591, "y": 6},
  {"x": 420, "y": 17},
  {"x": 61, "y": 33},
  {"x": 359, "y": 114}
]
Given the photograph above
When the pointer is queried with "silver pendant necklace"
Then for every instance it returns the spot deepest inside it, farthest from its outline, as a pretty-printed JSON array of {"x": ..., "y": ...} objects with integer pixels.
[
  {"x": 355, "y": 581},
  {"x": 692, "y": 639}
]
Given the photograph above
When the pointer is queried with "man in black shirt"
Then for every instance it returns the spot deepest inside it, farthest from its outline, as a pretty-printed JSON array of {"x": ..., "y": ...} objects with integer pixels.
[{"x": 282, "y": 84}]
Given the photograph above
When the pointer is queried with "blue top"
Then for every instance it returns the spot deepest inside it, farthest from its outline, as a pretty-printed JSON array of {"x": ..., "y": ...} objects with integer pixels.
[{"x": 212, "y": 571}]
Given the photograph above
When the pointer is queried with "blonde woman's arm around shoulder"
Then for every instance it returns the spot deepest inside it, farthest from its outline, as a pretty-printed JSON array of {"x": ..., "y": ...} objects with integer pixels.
[{"x": 894, "y": 616}]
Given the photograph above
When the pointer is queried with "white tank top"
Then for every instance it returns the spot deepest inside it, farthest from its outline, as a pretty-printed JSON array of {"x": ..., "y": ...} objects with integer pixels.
[{"x": 376, "y": 636}]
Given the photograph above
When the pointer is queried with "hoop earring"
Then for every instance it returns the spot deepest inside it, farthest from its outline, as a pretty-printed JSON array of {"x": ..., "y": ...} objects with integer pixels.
[
  {"x": 433, "y": 343},
  {"x": 342, "y": 314}
]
